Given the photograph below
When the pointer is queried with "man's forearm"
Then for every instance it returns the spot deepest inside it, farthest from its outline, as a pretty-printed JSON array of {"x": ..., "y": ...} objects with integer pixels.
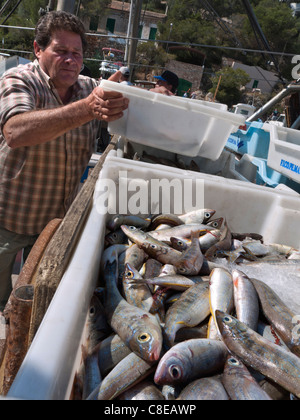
[{"x": 36, "y": 127}]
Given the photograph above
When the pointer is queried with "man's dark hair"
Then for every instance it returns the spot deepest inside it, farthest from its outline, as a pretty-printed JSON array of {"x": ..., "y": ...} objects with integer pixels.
[{"x": 57, "y": 21}]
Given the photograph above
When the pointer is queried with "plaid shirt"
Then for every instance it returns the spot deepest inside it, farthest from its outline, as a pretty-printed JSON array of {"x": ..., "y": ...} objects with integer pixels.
[{"x": 39, "y": 183}]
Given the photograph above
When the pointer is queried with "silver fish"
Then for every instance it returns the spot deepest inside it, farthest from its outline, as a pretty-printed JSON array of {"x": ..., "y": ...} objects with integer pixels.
[
  {"x": 185, "y": 231},
  {"x": 220, "y": 291},
  {"x": 281, "y": 366},
  {"x": 240, "y": 384},
  {"x": 117, "y": 221},
  {"x": 139, "y": 330},
  {"x": 154, "y": 248},
  {"x": 189, "y": 310},
  {"x": 190, "y": 360},
  {"x": 245, "y": 300},
  {"x": 144, "y": 391},
  {"x": 201, "y": 216},
  {"x": 191, "y": 260},
  {"x": 137, "y": 293},
  {"x": 131, "y": 370},
  {"x": 110, "y": 352},
  {"x": 205, "y": 389},
  {"x": 279, "y": 315}
]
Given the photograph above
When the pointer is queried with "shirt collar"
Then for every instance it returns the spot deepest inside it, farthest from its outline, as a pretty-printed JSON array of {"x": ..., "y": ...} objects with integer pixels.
[{"x": 76, "y": 87}]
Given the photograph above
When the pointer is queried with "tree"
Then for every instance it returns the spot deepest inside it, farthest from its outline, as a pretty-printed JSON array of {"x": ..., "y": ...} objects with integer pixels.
[{"x": 229, "y": 91}]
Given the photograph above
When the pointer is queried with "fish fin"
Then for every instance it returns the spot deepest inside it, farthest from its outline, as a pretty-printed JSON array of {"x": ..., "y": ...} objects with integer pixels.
[{"x": 182, "y": 323}]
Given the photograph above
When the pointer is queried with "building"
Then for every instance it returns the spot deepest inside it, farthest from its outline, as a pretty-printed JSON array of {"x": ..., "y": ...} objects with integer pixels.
[
  {"x": 260, "y": 79},
  {"x": 116, "y": 19}
]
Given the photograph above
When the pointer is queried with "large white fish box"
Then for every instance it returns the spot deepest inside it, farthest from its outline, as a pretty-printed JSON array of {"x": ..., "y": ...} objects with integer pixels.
[
  {"x": 49, "y": 367},
  {"x": 174, "y": 124},
  {"x": 284, "y": 151}
]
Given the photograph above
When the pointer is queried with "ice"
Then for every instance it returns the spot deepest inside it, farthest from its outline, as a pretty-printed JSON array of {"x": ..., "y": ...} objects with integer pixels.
[{"x": 283, "y": 278}]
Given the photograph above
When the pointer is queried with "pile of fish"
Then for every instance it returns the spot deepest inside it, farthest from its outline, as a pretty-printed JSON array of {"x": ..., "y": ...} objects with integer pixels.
[{"x": 175, "y": 317}]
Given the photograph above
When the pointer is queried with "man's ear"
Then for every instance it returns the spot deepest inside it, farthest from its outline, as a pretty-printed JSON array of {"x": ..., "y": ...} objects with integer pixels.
[{"x": 37, "y": 49}]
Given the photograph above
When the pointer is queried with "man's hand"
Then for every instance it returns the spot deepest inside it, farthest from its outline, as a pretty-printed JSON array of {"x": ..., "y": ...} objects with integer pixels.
[{"x": 107, "y": 105}]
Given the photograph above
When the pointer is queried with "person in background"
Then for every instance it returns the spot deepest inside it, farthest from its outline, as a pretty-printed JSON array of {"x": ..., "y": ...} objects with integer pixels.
[
  {"x": 121, "y": 76},
  {"x": 167, "y": 83},
  {"x": 49, "y": 117}
]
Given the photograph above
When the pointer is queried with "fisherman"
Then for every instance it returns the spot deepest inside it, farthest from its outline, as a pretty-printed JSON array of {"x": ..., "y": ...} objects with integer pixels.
[
  {"x": 167, "y": 83},
  {"x": 49, "y": 121},
  {"x": 122, "y": 76}
]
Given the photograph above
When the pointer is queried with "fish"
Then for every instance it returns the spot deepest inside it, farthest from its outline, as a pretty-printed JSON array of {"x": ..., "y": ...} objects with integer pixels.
[
  {"x": 190, "y": 360},
  {"x": 224, "y": 243},
  {"x": 201, "y": 216},
  {"x": 240, "y": 384},
  {"x": 279, "y": 365},
  {"x": 97, "y": 326},
  {"x": 152, "y": 268},
  {"x": 135, "y": 256},
  {"x": 139, "y": 330},
  {"x": 110, "y": 352},
  {"x": 245, "y": 300},
  {"x": 278, "y": 315},
  {"x": 109, "y": 254},
  {"x": 204, "y": 389},
  {"x": 144, "y": 391},
  {"x": 116, "y": 237},
  {"x": 92, "y": 376},
  {"x": 130, "y": 371},
  {"x": 191, "y": 260},
  {"x": 175, "y": 282},
  {"x": 185, "y": 231},
  {"x": 136, "y": 292},
  {"x": 220, "y": 292},
  {"x": 154, "y": 248},
  {"x": 165, "y": 219},
  {"x": 117, "y": 221},
  {"x": 188, "y": 311},
  {"x": 206, "y": 241}
]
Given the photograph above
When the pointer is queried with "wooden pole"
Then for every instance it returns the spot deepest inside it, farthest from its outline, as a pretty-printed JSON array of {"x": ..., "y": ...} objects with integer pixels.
[
  {"x": 61, "y": 247},
  {"x": 216, "y": 92}
]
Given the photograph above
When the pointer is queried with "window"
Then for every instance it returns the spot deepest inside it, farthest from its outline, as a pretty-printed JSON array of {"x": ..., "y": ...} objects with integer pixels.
[
  {"x": 152, "y": 34},
  {"x": 94, "y": 23},
  {"x": 110, "y": 25},
  {"x": 140, "y": 31}
]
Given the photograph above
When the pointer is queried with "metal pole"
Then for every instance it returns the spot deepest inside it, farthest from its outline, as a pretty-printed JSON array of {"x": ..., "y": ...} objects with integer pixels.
[
  {"x": 135, "y": 31},
  {"x": 128, "y": 32},
  {"x": 278, "y": 98},
  {"x": 66, "y": 5}
]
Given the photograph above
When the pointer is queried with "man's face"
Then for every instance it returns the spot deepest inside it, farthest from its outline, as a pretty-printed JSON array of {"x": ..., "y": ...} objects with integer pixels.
[
  {"x": 164, "y": 84},
  {"x": 62, "y": 60}
]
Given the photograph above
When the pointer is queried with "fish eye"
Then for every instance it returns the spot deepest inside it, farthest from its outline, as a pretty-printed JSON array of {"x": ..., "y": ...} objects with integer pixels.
[
  {"x": 144, "y": 338},
  {"x": 174, "y": 371},
  {"x": 227, "y": 319},
  {"x": 129, "y": 274},
  {"x": 232, "y": 361},
  {"x": 207, "y": 215},
  {"x": 215, "y": 224},
  {"x": 132, "y": 228},
  {"x": 153, "y": 246}
]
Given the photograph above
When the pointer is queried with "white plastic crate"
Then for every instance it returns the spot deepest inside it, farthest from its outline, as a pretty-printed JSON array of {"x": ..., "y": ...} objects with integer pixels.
[
  {"x": 174, "y": 124},
  {"x": 50, "y": 364},
  {"x": 284, "y": 151}
]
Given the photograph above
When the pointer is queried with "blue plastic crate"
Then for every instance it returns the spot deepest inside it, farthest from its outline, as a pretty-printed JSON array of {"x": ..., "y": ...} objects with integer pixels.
[
  {"x": 253, "y": 141},
  {"x": 271, "y": 178}
]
